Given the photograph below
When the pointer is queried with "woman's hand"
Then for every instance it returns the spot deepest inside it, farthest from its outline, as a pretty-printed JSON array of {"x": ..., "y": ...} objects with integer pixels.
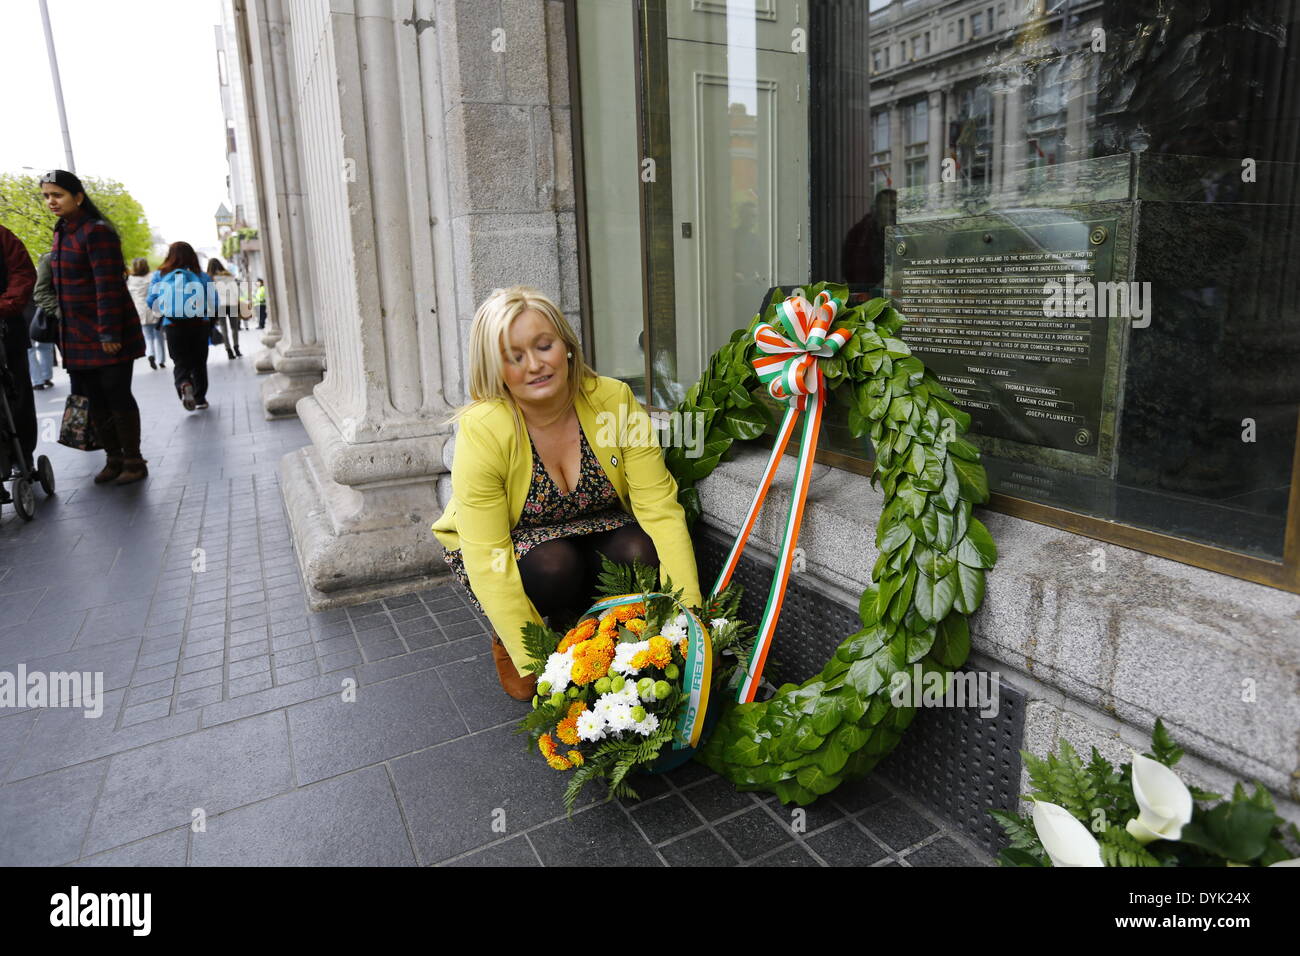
[{"x": 112, "y": 348}]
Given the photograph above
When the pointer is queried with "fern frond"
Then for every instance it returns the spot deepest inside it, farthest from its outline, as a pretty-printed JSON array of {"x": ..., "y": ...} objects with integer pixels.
[{"x": 540, "y": 643}]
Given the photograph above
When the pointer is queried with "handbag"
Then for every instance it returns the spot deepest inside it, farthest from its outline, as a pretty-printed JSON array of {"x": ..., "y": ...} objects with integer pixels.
[
  {"x": 76, "y": 430},
  {"x": 215, "y": 336},
  {"x": 44, "y": 327}
]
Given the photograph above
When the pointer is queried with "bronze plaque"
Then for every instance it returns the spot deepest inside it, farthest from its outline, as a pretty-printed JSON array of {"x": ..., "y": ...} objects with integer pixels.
[{"x": 1039, "y": 372}]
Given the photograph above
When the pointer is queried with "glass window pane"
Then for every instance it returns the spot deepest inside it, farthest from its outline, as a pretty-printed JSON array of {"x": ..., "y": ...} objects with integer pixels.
[
  {"x": 1165, "y": 399},
  {"x": 611, "y": 168}
]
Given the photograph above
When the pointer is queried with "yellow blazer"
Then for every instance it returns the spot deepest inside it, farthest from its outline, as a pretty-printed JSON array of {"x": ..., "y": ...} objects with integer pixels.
[{"x": 490, "y": 476}]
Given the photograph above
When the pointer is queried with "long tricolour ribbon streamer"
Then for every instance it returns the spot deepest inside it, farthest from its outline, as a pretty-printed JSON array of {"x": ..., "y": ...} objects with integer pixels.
[{"x": 790, "y": 370}]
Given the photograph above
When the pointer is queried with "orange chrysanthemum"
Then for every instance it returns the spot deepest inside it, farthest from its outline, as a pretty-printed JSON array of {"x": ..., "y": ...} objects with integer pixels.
[
  {"x": 629, "y": 611},
  {"x": 636, "y": 625},
  {"x": 640, "y": 659},
  {"x": 660, "y": 652},
  {"x": 567, "y": 731},
  {"x": 575, "y": 757},
  {"x": 591, "y": 659},
  {"x": 579, "y": 633},
  {"x": 576, "y": 708},
  {"x": 558, "y": 763},
  {"x": 684, "y": 647},
  {"x": 546, "y": 743}
]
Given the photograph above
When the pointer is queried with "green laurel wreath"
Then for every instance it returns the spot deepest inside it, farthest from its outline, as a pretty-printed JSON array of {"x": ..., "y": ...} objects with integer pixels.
[{"x": 810, "y": 738}]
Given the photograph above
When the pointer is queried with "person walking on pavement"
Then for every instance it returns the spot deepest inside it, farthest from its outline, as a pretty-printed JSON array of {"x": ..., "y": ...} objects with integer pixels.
[
  {"x": 137, "y": 283},
  {"x": 17, "y": 279},
  {"x": 227, "y": 305},
  {"x": 259, "y": 299},
  {"x": 40, "y": 357},
  {"x": 179, "y": 292},
  {"x": 99, "y": 330}
]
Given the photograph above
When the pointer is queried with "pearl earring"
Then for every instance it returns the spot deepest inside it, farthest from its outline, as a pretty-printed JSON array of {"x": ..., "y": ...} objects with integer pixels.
[{"x": 570, "y": 355}]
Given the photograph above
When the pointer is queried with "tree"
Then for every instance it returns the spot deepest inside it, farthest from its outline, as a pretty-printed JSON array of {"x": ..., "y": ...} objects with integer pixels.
[{"x": 23, "y": 212}]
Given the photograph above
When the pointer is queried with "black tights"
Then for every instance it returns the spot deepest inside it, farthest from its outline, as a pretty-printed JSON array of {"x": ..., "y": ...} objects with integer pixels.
[{"x": 560, "y": 575}]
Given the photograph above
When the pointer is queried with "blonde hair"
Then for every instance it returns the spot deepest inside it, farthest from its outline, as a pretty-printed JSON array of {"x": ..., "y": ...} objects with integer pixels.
[{"x": 488, "y": 338}]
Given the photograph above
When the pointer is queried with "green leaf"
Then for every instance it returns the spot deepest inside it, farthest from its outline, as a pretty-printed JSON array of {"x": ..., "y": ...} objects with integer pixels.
[
  {"x": 900, "y": 408},
  {"x": 931, "y": 477},
  {"x": 950, "y": 492},
  {"x": 743, "y": 423},
  {"x": 977, "y": 549},
  {"x": 912, "y": 497},
  {"x": 973, "y": 480},
  {"x": 952, "y": 641},
  {"x": 948, "y": 410},
  {"x": 896, "y": 348},
  {"x": 744, "y": 750},
  {"x": 878, "y": 399},
  {"x": 816, "y": 780},
  {"x": 863, "y": 676},
  {"x": 963, "y": 449},
  {"x": 969, "y": 585},
  {"x": 895, "y": 536},
  {"x": 933, "y": 599}
]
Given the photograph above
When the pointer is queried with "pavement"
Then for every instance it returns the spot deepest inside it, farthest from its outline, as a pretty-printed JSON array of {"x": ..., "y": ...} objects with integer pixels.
[{"x": 239, "y": 728}]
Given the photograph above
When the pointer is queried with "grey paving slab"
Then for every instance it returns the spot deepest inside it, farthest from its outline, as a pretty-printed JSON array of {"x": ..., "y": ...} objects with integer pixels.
[
  {"x": 352, "y": 820},
  {"x": 41, "y": 638},
  {"x": 43, "y": 819},
  {"x": 600, "y": 836},
  {"x": 516, "y": 851},
  {"x": 453, "y": 794},
  {"x": 395, "y": 717},
  {"x": 473, "y": 684},
  {"x": 164, "y": 849},
  {"x": 897, "y": 825},
  {"x": 846, "y": 845},
  {"x": 215, "y": 769}
]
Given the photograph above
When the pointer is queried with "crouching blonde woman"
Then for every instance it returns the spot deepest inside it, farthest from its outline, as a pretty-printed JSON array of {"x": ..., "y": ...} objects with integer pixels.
[{"x": 542, "y": 483}]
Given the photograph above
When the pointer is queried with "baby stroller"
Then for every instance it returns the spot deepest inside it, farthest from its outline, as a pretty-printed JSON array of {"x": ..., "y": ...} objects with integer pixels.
[{"x": 13, "y": 463}]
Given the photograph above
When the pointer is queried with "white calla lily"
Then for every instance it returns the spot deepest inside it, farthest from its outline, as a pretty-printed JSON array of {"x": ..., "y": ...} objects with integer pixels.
[
  {"x": 1164, "y": 802},
  {"x": 1294, "y": 861},
  {"x": 1066, "y": 840}
]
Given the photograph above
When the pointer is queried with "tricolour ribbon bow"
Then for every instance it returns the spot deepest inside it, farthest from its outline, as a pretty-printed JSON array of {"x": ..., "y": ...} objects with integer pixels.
[{"x": 788, "y": 366}]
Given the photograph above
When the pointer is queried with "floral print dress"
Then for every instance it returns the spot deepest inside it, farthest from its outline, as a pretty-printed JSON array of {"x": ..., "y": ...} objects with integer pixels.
[{"x": 592, "y": 506}]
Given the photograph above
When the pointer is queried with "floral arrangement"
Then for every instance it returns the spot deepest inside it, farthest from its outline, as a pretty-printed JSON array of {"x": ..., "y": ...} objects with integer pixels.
[
  {"x": 615, "y": 689},
  {"x": 1140, "y": 814}
]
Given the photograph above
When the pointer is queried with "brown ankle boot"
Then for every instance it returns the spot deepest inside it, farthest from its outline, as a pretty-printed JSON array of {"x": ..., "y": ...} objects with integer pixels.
[
  {"x": 518, "y": 686},
  {"x": 133, "y": 470},
  {"x": 112, "y": 468}
]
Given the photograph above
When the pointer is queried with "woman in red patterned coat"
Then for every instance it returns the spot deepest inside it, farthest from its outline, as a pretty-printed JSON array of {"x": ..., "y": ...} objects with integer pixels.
[{"x": 99, "y": 332}]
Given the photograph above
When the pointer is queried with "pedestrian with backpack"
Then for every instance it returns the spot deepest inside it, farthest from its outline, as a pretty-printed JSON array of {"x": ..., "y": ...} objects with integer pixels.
[
  {"x": 99, "y": 330},
  {"x": 180, "y": 294}
]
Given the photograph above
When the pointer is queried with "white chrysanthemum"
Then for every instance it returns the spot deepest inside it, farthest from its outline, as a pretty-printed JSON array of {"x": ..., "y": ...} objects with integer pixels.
[
  {"x": 559, "y": 671},
  {"x": 590, "y": 726},
  {"x": 620, "y": 718},
  {"x": 675, "y": 629},
  {"x": 648, "y": 726},
  {"x": 623, "y": 654}
]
